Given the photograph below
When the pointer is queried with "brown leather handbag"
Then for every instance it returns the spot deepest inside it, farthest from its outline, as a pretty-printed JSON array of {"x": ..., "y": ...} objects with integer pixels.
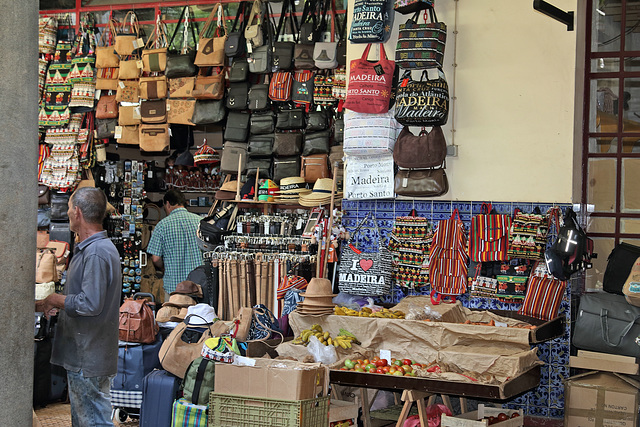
[
  {"x": 46, "y": 266},
  {"x": 129, "y": 115},
  {"x": 209, "y": 87},
  {"x": 137, "y": 322},
  {"x": 153, "y": 87},
  {"x": 314, "y": 167},
  {"x": 107, "y": 107},
  {"x": 427, "y": 150},
  {"x": 154, "y": 137},
  {"x": 421, "y": 182},
  {"x": 153, "y": 111}
]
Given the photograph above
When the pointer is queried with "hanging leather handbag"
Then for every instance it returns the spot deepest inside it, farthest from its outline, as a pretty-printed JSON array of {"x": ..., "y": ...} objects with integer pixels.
[
  {"x": 180, "y": 111},
  {"x": 423, "y": 102},
  {"x": 211, "y": 49},
  {"x": 105, "y": 128},
  {"x": 154, "y": 137},
  {"x": 285, "y": 167},
  {"x": 153, "y": 87},
  {"x": 106, "y": 57},
  {"x": 46, "y": 266},
  {"x": 280, "y": 86},
  {"x": 421, "y": 182},
  {"x": 209, "y": 87},
  {"x": 153, "y": 111},
  {"x": 311, "y": 25},
  {"x": 427, "y": 150},
  {"x": 208, "y": 111},
  {"x": 239, "y": 70},
  {"x": 236, "y": 44},
  {"x": 237, "y": 128},
  {"x": 263, "y": 164},
  {"x": 136, "y": 321},
  {"x": 154, "y": 55},
  {"x": 238, "y": 96},
  {"x": 129, "y": 135},
  {"x": 303, "y": 56},
  {"x": 44, "y": 195},
  {"x": 290, "y": 119},
  {"x": 282, "y": 49},
  {"x": 232, "y": 153},
  {"x": 619, "y": 264},
  {"x": 253, "y": 30},
  {"x": 259, "y": 96},
  {"x": 127, "y": 34},
  {"x": 180, "y": 62},
  {"x": 421, "y": 45},
  {"x": 261, "y": 59},
  {"x": 372, "y": 21},
  {"x": 181, "y": 87},
  {"x": 107, "y": 107},
  {"x": 317, "y": 121},
  {"x": 128, "y": 91},
  {"x": 316, "y": 143},
  {"x": 370, "y": 83},
  {"x": 260, "y": 145},
  {"x": 262, "y": 123},
  {"x": 315, "y": 167},
  {"x": 325, "y": 55},
  {"x": 129, "y": 70},
  {"x": 288, "y": 144},
  {"x": 129, "y": 115}
]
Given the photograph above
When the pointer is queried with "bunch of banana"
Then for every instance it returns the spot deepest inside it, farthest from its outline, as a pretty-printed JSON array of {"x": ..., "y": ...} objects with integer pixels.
[
  {"x": 315, "y": 330},
  {"x": 367, "y": 312},
  {"x": 344, "y": 341}
]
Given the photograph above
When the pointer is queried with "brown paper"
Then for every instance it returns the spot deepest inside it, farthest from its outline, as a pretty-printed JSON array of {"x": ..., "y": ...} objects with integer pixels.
[{"x": 452, "y": 313}]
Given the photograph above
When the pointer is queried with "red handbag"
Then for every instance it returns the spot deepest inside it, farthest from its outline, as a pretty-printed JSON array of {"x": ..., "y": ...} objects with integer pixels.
[{"x": 369, "y": 89}]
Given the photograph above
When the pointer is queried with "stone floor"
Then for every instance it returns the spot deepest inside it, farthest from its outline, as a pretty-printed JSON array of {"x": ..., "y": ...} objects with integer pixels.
[{"x": 59, "y": 415}]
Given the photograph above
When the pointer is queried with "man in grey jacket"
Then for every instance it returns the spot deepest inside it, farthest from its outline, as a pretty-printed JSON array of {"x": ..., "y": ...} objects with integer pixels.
[{"x": 86, "y": 339}]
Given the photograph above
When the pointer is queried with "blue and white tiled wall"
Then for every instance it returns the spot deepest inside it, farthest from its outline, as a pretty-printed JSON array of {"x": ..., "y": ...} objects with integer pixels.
[{"x": 547, "y": 400}]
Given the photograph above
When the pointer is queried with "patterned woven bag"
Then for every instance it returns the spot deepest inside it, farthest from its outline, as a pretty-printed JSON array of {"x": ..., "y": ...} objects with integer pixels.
[
  {"x": 421, "y": 45},
  {"x": 544, "y": 296},
  {"x": 448, "y": 259},
  {"x": 489, "y": 236}
]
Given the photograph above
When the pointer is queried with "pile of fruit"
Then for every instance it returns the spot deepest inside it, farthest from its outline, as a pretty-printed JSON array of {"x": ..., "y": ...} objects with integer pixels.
[
  {"x": 385, "y": 313},
  {"x": 397, "y": 367},
  {"x": 500, "y": 418},
  {"x": 493, "y": 323},
  {"x": 344, "y": 339}
]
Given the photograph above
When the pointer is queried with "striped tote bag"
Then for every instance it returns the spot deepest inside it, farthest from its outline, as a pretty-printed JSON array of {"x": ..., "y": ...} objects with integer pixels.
[
  {"x": 489, "y": 236},
  {"x": 448, "y": 259},
  {"x": 544, "y": 295}
]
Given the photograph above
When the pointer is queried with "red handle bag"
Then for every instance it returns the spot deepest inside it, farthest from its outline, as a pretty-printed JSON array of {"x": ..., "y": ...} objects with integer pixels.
[{"x": 369, "y": 89}]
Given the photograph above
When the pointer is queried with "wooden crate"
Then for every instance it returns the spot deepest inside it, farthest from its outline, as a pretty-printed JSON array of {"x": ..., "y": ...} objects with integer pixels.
[{"x": 470, "y": 419}]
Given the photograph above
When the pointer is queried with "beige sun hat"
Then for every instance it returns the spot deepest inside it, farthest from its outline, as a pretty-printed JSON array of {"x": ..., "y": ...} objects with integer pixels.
[
  {"x": 180, "y": 301},
  {"x": 321, "y": 193}
]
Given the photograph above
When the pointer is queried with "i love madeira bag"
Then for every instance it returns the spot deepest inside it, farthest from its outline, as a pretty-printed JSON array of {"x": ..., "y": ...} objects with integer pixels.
[
  {"x": 448, "y": 259},
  {"x": 369, "y": 89}
]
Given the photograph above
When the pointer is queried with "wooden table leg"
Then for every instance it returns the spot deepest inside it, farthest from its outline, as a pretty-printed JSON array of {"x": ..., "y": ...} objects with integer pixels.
[
  {"x": 447, "y": 402},
  {"x": 364, "y": 398},
  {"x": 463, "y": 405}
]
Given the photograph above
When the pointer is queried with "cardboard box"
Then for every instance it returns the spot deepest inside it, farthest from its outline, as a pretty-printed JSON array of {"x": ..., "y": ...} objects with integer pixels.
[
  {"x": 273, "y": 379},
  {"x": 480, "y": 417},
  {"x": 601, "y": 399},
  {"x": 605, "y": 362}
]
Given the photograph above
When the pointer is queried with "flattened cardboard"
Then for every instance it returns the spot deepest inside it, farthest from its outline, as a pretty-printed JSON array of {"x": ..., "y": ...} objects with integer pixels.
[
  {"x": 273, "y": 379},
  {"x": 601, "y": 399},
  {"x": 604, "y": 362}
]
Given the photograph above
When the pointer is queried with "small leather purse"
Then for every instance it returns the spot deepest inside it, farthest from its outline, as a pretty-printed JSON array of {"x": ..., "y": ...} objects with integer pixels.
[
  {"x": 237, "y": 128},
  {"x": 427, "y": 150},
  {"x": 153, "y": 111},
  {"x": 290, "y": 119},
  {"x": 421, "y": 182}
]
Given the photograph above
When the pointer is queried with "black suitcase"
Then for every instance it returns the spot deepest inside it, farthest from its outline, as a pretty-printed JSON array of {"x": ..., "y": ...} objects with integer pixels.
[
  {"x": 619, "y": 266},
  {"x": 159, "y": 390}
]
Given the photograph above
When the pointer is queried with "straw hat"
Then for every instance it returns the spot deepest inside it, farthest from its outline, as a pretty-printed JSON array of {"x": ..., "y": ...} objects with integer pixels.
[
  {"x": 227, "y": 191},
  {"x": 318, "y": 288},
  {"x": 188, "y": 288},
  {"x": 180, "y": 301},
  {"x": 293, "y": 184},
  {"x": 166, "y": 313},
  {"x": 321, "y": 194}
]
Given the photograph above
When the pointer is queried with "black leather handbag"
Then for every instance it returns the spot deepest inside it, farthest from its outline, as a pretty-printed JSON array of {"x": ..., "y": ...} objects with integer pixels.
[
  {"x": 236, "y": 44},
  {"x": 317, "y": 121},
  {"x": 262, "y": 123},
  {"x": 237, "y": 128},
  {"x": 338, "y": 130},
  {"x": 208, "y": 111},
  {"x": 260, "y": 59},
  {"x": 288, "y": 144},
  {"x": 284, "y": 167},
  {"x": 290, "y": 119},
  {"x": 259, "y": 97},
  {"x": 316, "y": 143},
  {"x": 106, "y": 128},
  {"x": 303, "y": 56},
  {"x": 261, "y": 145},
  {"x": 239, "y": 70},
  {"x": 180, "y": 63},
  {"x": 238, "y": 96}
]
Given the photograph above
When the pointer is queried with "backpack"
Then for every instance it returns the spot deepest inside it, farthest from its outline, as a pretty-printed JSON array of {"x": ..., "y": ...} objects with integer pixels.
[
  {"x": 489, "y": 235},
  {"x": 572, "y": 250},
  {"x": 448, "y": 259},
  {"x": 199, "y": 380},
  {"x": 137, "y": 322}
]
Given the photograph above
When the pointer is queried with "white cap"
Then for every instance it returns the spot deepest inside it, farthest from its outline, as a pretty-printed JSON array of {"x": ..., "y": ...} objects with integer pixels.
[{"x": 204, "y": 311}]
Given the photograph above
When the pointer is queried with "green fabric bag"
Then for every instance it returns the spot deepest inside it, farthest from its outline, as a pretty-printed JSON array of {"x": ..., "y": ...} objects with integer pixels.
[
  {"x": 186, "y": 414},
  {"x": 199, "y": 381}
]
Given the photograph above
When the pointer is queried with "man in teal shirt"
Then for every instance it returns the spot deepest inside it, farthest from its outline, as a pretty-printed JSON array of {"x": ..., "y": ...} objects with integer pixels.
[{"x": 174, "y": 244}]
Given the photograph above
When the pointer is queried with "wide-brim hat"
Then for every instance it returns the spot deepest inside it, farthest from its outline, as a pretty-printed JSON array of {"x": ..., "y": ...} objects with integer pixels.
[
  {"x": 166, "y": 313},
  {"x": 180, "y": 316},
  {"x": 227, "y": 191},
  {"x": 229, "y": 186},
  {"x": 188, "y": 287},
  {"x": 294, "y": 184},
  {"x": 318, "y": 288},
  {"x": 314, "y": 311},
  {"x": 321, "y": 193},
  {"x": 180, "y": 301},
  {"x": 317, "y": 303}
]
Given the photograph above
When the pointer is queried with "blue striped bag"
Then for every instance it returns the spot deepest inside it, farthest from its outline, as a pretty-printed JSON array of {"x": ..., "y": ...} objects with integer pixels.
[{"x": 187, "y": 414}]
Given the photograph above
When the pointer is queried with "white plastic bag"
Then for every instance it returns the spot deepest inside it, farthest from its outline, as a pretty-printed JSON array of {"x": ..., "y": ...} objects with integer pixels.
[{"x": 325, "y": 354}]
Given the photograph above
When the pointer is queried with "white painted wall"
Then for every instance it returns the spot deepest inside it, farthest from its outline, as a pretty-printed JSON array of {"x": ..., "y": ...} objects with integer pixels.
[{"x": 514, "y": 109}]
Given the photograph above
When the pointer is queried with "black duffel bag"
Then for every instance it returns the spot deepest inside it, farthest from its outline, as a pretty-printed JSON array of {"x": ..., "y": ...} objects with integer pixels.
[
  {"x": 619, "y": 266},
  {"x": 214, "y": 227},
  {"x": 607, "y": 323}
]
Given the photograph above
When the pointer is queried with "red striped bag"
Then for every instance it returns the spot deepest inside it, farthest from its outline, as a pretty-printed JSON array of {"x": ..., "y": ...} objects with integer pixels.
[
  {"x": 489, "y": 236},
  {"x": 448, "y": 259},
  {"x": 544, "y": 295},
  {"x": 280, "y": 86}
]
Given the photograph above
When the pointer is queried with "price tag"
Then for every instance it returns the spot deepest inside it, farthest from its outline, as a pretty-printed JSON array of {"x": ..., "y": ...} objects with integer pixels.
[
  {"x": 299, "y": 224},
  {"x": 502, "y": 325},
  {"x": 150, "y": 174},
  {"x": 139, "y": 64},
  {"x": 118, "y": 132},
  {"x": 136, "y": 113},
  {"x": 168, "y": 108},
  {"x": 378, "y": 69},
  {"x": 386, "y": 355},
  {"x": 249, "y": 48},
  {"x": 121, "y": 84},
  {"x": 138, "y": 43}
]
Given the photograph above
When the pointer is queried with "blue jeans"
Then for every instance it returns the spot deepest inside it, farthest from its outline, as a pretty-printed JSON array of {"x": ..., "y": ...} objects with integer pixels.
[{"x": 90, "y": 400}]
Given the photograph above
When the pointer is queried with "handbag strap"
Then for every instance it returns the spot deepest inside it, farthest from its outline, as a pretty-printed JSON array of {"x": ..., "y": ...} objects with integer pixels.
[
  {"x": 242, "y": 9},
  {"x": 195, "y": 395},
  {"x": 158, "y": 37},
  {"x": 255, "y": 13},
  {"x": 134, "y": 28},
  {"x": 218, "y": 11},
  {"x": 357, "y": 229},
  {"x": 383, "y": 55},
  {"x": 604, "y": 321},
  {"x": 288, "y": 13},
  {"x": 184, "y": 18}
]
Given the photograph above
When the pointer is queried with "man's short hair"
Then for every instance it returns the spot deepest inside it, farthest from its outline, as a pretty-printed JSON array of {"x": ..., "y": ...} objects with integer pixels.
[
  {"x": 92, "y": 202},
  {"x": 174, "y": 197}
]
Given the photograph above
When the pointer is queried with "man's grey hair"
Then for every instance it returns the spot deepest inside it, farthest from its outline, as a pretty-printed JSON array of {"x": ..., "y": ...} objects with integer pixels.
[{"x": 92, "y": 202}]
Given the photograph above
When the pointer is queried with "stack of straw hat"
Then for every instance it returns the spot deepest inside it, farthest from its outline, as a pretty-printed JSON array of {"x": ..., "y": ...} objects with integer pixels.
[
  {"x": 291, "y": 189},
  {"x": 318, "y": 298},
  {"x": 321, "y": 194}
]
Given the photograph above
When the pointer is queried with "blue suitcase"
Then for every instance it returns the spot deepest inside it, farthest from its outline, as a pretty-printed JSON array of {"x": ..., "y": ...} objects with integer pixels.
[{"x": 160, "y": 389}]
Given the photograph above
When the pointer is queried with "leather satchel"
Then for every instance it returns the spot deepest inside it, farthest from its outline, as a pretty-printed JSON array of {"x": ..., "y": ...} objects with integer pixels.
[
  {"x": 239, "y": 70},
  {"x": 607, "y": 323},
  {"x": 153, "y": 111},
  {"x": 153, "y": 87},
  {"x": 238, "y": 96},
  {"x": 283, "y": 55},
  {"x": 232, "y": 152},
  {"x": 154, "y": 137},
  {"x": 261, "y": 59},
  {"x": 261, "y": 145},
  {"x": 107, "y": 107},
  {"x": 129, "y": 115},
  {"x": 315, "y": 167},
  {"x": 175, "y": 354},
  {"x": 209, "y": 87},
  {"x": 317, "y": 121},
  {"x": 137, "y": 322},
  {"x": 181, "y": 65},
  {"x": 44, "y": 194},
  {"x": 180, "y": 111},
  {"x": 421, "y": 182},
  {"x": 285, "y": 167},
  {"x": 316, "y": 143},
  {"x": 290, "y": 119},
  {"x": 303, "y": 57},
  {"x": 211, "y": 49},
  {"x": 106, "y": 57},
  {"x": 129, "y": 136},
  {"x": 105, "y": 128},
  {"x": 259, "y": 97},
  {"x": 237, "y": 128},
  {"x": 288, "y": 144},
  {"x": 427, "y": 150},
  {"x": 255, "y": 163},
  {"x": 262, "y": 123},
  {"x": 208, "y": 111}
]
